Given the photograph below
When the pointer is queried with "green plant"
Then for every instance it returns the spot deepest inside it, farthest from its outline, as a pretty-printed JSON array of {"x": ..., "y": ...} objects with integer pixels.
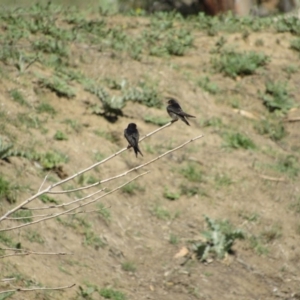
[
  {"x": 235, "y": 64},
  {"x": 60, "y": 136},
  {"x": 47, "y": 199},
  {"x": 192, "y": 172},
  {"x": 110, "y": 136},
  {"x": 289, "y": 165},
  {"x": 6, "y": 190},
  {"x": 129, "y": 266},
  {"x": 8, "y": 241},
  {"x": 109, "y": 293},
  {"x": 34, "y": 237},
  {"x": 222, "y": 180},
  {"x": 90, "y": 239},
  {"x": 237, "y": 140},
  {"x": 24, "y": 215},
  {"x": 173, "y": 239},
  {"x": 189, "y": 190},
  {"x": 161, "y": 213},
  {"x": 295, "y": 205},
  {"x": 171, "y": 195},
  {"x": 219, "y": 239},
  {"x": 257, "y": 244},
  {"x": 45, "y": 107},
  {"x": 103, "y": 212},
  {"x": 277, "y": 96},
  {"x": 159, "y": 121},
  {"x": 207, "y": 85},
  {"x": 18, "y": 97},
  {"x": 132, "y": 188},
  {"x": 6, "y": 151},
  {"x": 272, "y": 128},
  {"x": 51, "y": 159},
  {"x": 58, "y": 85}
]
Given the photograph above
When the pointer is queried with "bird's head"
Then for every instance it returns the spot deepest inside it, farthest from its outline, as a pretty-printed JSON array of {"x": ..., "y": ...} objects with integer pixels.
[
  {"x": 132, "y": 125},
  {"x": 171, "y": 101}
]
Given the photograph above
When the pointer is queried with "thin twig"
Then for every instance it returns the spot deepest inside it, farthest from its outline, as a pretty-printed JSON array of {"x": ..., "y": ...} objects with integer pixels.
[
  {"x": 39, "y": 289},
  {"x": 44, "y": 181},
  {"x": 68, "y": 203},
  {"x": 74, "y": 208},
  {"x": 131, "y": 170}
]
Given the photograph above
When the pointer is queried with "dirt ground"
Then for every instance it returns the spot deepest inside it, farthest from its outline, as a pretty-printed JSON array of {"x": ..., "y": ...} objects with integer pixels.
[{"x": 254, "y": 195}]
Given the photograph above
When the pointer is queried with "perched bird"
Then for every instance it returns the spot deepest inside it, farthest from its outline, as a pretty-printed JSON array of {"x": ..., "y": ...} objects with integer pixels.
[
  {"x": 175, "y": 112},
  {"x": 132, "y": 136}
]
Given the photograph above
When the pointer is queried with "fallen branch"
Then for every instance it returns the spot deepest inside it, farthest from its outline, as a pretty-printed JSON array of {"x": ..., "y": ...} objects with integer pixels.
[
  {"x": 292, "y": 120},
  {"x": 23, "y": 252},
  {"x": 272, "y": 178},
  {"x": 39, "y": 289}
]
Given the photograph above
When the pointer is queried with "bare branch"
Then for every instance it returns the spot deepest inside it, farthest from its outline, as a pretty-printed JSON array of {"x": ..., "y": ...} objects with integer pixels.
[
  {"x": 108, "y": 158},
  {"x": 44, "y": 181},
  {"x": 28, "y": 252},
  {"x": 50, "y": 187},
  {"x": 39, "y": 289},
  {"x": 133, "y": 169},
  {"x": 68, "y": 203},
  {"x": 74, "y": 208}
]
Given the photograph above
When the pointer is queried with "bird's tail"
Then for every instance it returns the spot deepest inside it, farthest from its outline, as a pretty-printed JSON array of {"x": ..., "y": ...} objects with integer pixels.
[{"x": 137, "y": 150}]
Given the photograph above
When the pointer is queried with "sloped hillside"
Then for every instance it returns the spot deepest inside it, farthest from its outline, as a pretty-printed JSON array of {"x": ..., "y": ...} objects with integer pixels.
[{"x": 71, "y": 81}]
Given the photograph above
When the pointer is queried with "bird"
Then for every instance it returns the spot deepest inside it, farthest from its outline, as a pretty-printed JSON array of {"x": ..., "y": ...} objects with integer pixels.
[
  {"x": 132, "y": 136},
  {"x": 175, "y": 111}
]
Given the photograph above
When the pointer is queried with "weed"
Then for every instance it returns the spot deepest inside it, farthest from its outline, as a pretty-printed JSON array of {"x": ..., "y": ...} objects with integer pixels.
[
  {"x": 74, "y": 124},
  {"x": 51, "y": 159},
  {"x": 236, "y": 140},
  {"x": 171, "y": 195},
  {"x": 6, "y": 151},
  {"x": 174, "y": 239},
  {"x": 109, "y": 293},
  {"x": 128, "y": 266},
  {"x": 272, "y": 128},
  {"x": 132, "y": 188},
  {"x": 161, "y": 213},
  {"x": 58, "y": 85},
  {"x": 290, "y": 69},
  {"x": 257, "y": 244},
  {"x": 98, "y": 156},
  {"x": 159, "y": 121},
  {"x": 288, "y": 165},
  {"x": 103, "y": 212},
  {"x": 272, "y": 233},
  {"x": 84, "y": 179},
  {"x": 213, "y": 122},
  {"x": 192, "y": 172},
  {"x": 90, "y": 239},
  {"x": 34, "y": 237},
  {"x": 222, "y": 180},
  {"x": 60, "y": 136},
  {"x": 220, "y": 238},
  {"x": 110, "y": 136},
  {"x": 18, "y": 97},
  {"x": 189, "y": 190},
  {"x": 295, "y": 206},
  {"x": 30, "y": 121},
  {"x": 235, "y": 64},
  {"x": 7, "y": 240},
  {"x": 6, "y": 191},
  {"x": 24, "y": 214},
  {"x": 47, "y": 199},
  {"x": 45, "y": 107},
  {"x": 207, "y": 85},
  {"x": 277, "y": 96}
]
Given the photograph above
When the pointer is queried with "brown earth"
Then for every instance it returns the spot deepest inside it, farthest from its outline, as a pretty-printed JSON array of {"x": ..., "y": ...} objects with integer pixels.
[{"x": 258, "y": 198}]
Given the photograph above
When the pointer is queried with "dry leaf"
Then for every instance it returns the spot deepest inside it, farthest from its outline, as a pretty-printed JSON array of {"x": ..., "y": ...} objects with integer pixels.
[{"x": 182, "y": 252}]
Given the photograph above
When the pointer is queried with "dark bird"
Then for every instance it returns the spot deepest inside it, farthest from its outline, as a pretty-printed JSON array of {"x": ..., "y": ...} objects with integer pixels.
[
  {"x": 175, "y": 111},
  {"x": 132, "y": 136}
]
